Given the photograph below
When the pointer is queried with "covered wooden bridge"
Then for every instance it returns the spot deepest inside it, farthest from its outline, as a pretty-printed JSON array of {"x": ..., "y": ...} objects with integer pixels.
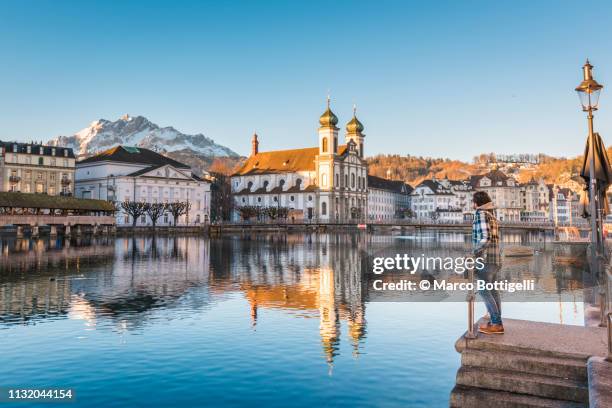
[{"x": 66, "y": 213}]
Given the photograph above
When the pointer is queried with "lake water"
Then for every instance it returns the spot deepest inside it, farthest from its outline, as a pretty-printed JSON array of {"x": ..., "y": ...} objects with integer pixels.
[{"x": 274, "y": 320}]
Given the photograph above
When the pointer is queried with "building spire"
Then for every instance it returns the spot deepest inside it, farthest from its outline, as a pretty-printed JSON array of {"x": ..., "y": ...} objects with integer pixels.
[{"x": 254, "y": 145}]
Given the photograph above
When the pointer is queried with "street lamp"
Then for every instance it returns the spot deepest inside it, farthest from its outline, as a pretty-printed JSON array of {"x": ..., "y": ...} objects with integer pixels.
[{"x": 588, "y": 92}]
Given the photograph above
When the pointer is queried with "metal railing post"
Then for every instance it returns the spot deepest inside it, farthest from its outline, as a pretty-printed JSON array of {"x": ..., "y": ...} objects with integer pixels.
[
  {"x": 609, "y": 318},
  {"x": 602, "y": 309},
  {"x": 471, "y": 298}
]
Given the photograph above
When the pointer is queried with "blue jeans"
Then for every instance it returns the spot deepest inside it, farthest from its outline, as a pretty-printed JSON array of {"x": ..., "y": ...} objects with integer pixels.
[{"x": 491, "y": 298}]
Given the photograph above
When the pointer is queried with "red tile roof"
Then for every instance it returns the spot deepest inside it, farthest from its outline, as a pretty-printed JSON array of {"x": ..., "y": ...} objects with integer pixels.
[{"x": 282, "y": 161}]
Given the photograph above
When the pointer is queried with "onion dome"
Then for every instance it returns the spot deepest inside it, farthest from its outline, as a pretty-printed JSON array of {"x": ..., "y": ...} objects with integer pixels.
[
  {"x": 354, "y": 126},
  {"x": 328, "y": 118}
]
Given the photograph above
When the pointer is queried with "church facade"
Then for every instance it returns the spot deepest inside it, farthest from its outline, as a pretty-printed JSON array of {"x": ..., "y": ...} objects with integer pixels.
[{"x": 326, "y": 183}]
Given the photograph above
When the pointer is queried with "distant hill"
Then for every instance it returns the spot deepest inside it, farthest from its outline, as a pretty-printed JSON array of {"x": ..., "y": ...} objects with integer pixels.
[{"x": 413, "y": 169}]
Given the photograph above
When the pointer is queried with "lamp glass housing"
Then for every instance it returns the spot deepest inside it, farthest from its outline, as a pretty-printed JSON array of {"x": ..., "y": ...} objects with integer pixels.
[{"x": 589, "y": 98}]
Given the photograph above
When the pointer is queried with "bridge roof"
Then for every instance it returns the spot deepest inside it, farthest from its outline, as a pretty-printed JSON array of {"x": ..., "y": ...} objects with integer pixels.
[{"x": 31, "y": 200}]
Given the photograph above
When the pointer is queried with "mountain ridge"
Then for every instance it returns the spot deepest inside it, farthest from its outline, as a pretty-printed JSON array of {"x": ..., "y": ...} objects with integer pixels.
[{"x": 139, "y": 131}]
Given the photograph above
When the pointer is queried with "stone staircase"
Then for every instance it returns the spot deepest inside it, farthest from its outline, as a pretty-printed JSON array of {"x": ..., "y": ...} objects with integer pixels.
[{"x": 532, "y": 365}]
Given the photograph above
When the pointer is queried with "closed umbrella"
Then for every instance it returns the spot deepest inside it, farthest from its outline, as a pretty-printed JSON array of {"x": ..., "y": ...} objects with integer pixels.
[{"x": 603, "y": 177}]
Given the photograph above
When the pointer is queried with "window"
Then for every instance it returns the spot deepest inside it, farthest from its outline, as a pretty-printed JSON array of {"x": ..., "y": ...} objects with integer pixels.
[
  {"x": 323, "y": 208},
  {"x": 324, "y": 145},
  {"x": 41, "y": 161},
  {"x": 292, "y": 198},
  {"x": 353, "y": 180}
]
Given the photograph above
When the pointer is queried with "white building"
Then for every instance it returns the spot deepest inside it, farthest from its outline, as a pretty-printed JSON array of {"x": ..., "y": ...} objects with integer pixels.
[
  {"x": 428, "y": 197},
  {"x": 387, "y": 199},
  {"x": 137, "y": 174},
  {"x": 323, "y": 183},
  {"x": 35, "y": 168}
]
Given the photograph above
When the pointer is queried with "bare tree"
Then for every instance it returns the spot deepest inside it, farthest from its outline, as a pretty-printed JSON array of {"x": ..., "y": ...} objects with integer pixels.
[
  {"x": 177, "y": 209},
  {"x": 154, "y": 211},
  {"x": 134, "y": 209}
]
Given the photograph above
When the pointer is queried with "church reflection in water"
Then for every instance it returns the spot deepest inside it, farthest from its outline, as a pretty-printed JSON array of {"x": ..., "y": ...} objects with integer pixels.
[{"x": 312, "y": 276}]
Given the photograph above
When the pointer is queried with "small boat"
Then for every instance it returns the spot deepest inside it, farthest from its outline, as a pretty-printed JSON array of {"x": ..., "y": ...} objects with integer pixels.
[{"x": 517, "y": 251}]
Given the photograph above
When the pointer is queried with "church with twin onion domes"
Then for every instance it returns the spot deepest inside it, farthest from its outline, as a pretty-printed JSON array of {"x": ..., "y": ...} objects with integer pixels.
[{"x": 325, "y": 183}]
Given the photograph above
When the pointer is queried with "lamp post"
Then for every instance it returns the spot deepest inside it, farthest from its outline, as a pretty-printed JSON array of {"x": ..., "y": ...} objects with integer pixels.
[{"x": 588, "y": 92}]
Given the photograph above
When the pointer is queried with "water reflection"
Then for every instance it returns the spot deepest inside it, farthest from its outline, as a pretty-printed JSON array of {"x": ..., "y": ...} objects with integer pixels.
[{"x": 118, "y": 284}]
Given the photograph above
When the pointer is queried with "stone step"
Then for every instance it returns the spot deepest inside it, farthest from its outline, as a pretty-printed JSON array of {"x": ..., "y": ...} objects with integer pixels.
[
  {"x": 526, "y": 363},
  {"x": 531, "y": 384},
  {"x": 469, "y": 397},
  {"x": 542, "y": 339}
]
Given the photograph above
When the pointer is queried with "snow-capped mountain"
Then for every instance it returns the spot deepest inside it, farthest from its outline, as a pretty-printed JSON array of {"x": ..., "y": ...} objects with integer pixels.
[{"x": 138, "y": 131}]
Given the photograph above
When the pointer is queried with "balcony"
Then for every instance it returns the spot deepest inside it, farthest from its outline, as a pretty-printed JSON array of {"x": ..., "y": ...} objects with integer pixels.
[
  {"x": 14, "y": 179},
  {"x": 66, "y": 182}
]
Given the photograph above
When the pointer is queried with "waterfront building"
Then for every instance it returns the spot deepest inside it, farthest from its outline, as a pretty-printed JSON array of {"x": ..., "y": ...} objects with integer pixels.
[
  {"x": 504, "y": 191},
  {"x": 387, "y": 199},
  {"x": 36, "y": 168},
  {"x": 137, "y": 174},
  {"x": 565, "y": 208},
  {"x": 463, "y": 193},
  {"x": 535, "y": 201},
  {"x": 434, "y": 199},
  {"x": 323, "y": 183}
]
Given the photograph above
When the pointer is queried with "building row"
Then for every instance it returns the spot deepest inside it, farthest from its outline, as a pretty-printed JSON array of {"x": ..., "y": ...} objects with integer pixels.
[
  {"x": 118, "y": 174},
  {"x": 535, "y": 201}
]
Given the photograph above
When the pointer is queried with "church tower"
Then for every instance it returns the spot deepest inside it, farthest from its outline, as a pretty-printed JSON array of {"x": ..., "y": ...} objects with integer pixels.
[
  {"x": 354, "y": 132},
  {"x": 328, "y": 132}
]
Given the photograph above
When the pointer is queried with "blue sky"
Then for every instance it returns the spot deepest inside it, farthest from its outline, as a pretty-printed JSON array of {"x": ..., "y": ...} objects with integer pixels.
[{"x": 449, "y": 79}]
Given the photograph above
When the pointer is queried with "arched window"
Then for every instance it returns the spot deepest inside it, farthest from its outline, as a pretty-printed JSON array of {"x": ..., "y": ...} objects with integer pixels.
[
  {"x": 323, "y": 208},
  {"x": 346, "y": 180},
  {"x": 353, "y": 180},
  {"x": 298, "y": 183},
  {"x": 324, "y": 145},
  {"x": 265, "y": 184},
  {"x": 249, "y": 185}
]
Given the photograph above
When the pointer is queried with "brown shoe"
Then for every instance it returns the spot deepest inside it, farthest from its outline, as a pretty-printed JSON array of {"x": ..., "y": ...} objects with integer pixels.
[
  {"x": 484, "y": 326},
  {"x": 492, "y": 329}
]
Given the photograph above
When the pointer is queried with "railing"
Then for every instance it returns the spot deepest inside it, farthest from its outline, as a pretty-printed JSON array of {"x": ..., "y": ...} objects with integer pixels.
[
  {"x": 394, "y": 222},
  {"x": 609, "y": 357},
  {"x": 471, "y": 300}
]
